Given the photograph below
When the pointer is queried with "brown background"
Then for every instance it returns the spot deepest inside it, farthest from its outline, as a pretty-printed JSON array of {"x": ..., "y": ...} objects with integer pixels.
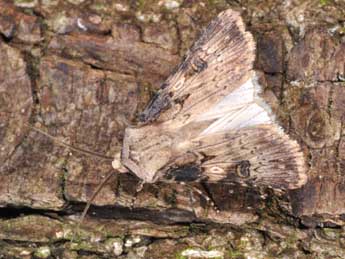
[{"x": 82, "y": 70}]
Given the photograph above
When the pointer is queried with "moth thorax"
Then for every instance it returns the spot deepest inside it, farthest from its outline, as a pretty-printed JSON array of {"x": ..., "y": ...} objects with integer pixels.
[
  {"x": 182, "y": 145},
  {"x": 146, "y": 151}
]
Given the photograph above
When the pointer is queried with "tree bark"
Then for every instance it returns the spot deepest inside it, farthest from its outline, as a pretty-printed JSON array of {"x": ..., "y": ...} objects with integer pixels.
[{"x": 81, "y": 71}]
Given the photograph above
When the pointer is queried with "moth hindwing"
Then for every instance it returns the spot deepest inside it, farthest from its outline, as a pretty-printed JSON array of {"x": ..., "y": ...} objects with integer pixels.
[{"x": 209, "y": 123}]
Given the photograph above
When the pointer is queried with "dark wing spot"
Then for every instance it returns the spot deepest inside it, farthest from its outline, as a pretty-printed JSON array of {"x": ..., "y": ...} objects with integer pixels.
[
  {"x": 159, "y": 103},
  {"x": 164, "y": 85},
  {"x": 198, "y": 64},
  {"x": 182, "y": 99},
  {"x": 187, "y": 173},
  {"x": 193, "y": 65},
  {"x": 243, "y": 169}
]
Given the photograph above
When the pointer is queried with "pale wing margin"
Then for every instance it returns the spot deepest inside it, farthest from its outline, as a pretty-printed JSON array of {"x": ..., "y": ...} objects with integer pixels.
[{"x": 218, "y": 63}]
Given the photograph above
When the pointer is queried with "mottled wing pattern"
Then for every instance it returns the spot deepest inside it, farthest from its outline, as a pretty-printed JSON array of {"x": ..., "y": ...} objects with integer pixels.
[
  {"x": 218, "y": 62},
  {"x": 214, "y": 99},
  {"x": 262, "y": 155},
  {"x": 245, "y": 144}
]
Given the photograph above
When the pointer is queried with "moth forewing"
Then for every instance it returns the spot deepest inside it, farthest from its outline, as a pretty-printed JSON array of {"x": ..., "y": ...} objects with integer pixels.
[
  {"x": 262, "y": 155},
  {"x": 217, "y": 63},
  {"x": 209, "y": 123}
]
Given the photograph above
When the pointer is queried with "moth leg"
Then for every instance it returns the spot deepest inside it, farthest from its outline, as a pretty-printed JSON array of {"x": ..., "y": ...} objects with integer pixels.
[
  {"x": 89, "y": 202},
  {"x": 191, "y": 189},
  {"x": 191, "y": 197},
  {"x": 209, "y": 196},
  {"x": 205, "y": 195},
  {"x": 139, "y": 188}
]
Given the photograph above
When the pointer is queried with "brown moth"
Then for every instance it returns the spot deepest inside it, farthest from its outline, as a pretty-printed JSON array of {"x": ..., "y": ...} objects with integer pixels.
[{"x": 209, "y": 123}]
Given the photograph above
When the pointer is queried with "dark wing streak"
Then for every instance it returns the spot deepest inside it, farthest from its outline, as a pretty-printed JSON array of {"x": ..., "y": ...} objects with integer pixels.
[
  {"x": 244, "y": 182},
  {"x": 209, "y": 146},
  {"x": 220, "y": 163},
  {"x": 276, "y": 150},
  {"x": 230, "y": 139}
]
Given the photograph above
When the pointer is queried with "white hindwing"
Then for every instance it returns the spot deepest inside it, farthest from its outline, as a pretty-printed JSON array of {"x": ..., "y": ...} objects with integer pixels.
[{"x": 241, "y": 108}]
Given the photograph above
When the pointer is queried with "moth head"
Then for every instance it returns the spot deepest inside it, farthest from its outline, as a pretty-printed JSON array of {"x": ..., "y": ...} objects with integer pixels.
[
  {"x": 145, "y": 151},
  {"x": 117, "y": 165}
]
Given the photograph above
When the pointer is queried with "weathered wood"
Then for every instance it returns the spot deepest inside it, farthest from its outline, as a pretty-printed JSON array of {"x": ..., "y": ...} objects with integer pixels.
[{"x": 82, "y": 72}]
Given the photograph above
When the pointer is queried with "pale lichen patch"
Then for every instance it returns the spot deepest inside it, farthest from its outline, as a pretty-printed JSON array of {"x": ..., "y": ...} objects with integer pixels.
[{"x": 198, "y": 253}]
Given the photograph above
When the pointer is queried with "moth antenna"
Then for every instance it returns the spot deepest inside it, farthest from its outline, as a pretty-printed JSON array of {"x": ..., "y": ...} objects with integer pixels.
[
  {"x": 89, "y": 202},
  {"x": 116, "y": 163},
  {"x": 61, "y": 143},
  {"x": 89, "y": 153}
]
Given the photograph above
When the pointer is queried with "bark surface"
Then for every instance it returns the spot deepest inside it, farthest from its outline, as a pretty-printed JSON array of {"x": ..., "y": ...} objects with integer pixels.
[{"x": 83, "y": 70}]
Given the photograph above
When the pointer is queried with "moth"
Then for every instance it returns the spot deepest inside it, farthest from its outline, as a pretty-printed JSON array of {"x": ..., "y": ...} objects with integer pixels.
[{"x": 208, "y": 122}]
